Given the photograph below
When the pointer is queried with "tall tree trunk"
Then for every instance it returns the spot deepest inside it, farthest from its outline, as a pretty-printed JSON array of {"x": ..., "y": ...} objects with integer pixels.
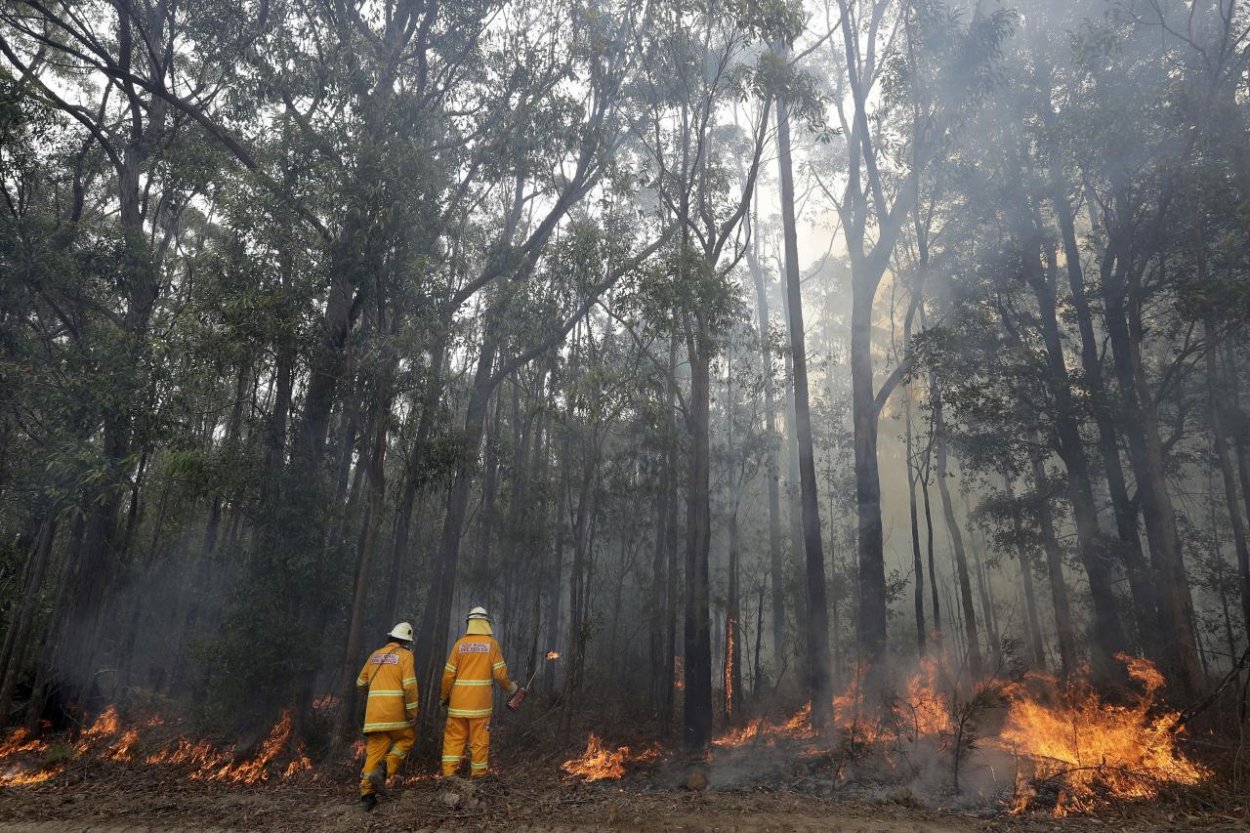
[
  {"x": 432, "y": 634},
  {"x": 986, "y": 596},
  {"x": 731, "y": 679},
  {"x": 697, "y": 662},
  {"x": 19, "y": 629},
  {"x": 1146, "y": 452},
  {"x": 925, "y": 475},
  {"x": 776, "y": 571},
  {"x": 376, "y": 473},
  {"x": 1037, "y": 646},
  {"x": 230, "y": 446},
  {"x": 917, "y": 562},
  {"x": 1219, "y": 441},
  {"x": 1064, "y": 630},
  {"x": 661, "y": 666},
  {"x": 416, "y": 476},
  {"x": 1125, "y": 511},
  {"x": 481, "y": 581},
  {"x": 819, "y": 687},
  {"x": 975, "y": 664},
  {"x": 1108, "y": 636}
]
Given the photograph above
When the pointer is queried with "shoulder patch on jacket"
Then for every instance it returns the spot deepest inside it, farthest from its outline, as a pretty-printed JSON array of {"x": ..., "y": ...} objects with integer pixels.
[{"x": 474, "y": 648}]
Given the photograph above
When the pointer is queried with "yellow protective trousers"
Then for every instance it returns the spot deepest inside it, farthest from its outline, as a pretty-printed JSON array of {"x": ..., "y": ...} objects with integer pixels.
[
  {"x": 474, "y": 730},
  {"x": 393, "y": 745}
]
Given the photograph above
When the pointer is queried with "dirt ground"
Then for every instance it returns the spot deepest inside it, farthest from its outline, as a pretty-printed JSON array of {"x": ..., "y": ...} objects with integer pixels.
[{"x": 526, "y": 802}]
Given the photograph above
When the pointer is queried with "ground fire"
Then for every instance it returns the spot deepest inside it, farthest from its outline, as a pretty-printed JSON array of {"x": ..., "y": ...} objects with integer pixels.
[
  {"x": 1086, "y": 751},
  {"x": 107, "y": 738},
  {"x": 1092, "y": 751},
  {"x": 600, "y": 762}
]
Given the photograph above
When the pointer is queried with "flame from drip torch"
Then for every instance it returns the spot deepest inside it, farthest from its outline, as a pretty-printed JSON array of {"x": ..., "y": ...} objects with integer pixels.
[{"x": 552, "y": 656}]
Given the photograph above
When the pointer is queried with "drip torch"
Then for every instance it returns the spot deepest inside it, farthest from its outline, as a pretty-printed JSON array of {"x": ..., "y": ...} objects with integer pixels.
[{"x": 515, "y": 701}]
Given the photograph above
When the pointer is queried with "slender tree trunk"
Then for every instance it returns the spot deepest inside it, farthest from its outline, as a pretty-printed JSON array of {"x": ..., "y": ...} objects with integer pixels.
[
  {"x": 776, "y": 571},
  {"x": 975, "y": 664},
  {"x": 415, "y": 477},
  {"x": 1146, "y": 452},
  {"x": 376, "y": 473},
  {"x": 432, "y": 634},
  {"x": 1108, "y": 635},
  {"x": 1064, "y": 631},
  {"x": 818, "y": 683},
  {"x": 661, "y": 670},
  {"x": 732, "y": 676},
  {"x": 1219, "y": 441},
  {"x": 917, "y": 562},
  {"x": 1129, "y": 549},
  {"x": 20, "y": 628},
  {"x": 925, "y": 476},
  {"x": 986, "y": 596},
  {"x": 1036, "y": 644},
  {"x": 697, "y": 663}
]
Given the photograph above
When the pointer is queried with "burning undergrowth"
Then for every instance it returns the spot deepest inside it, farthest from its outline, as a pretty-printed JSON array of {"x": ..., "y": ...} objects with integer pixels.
[
  {"x": 601, "y": 762},
  {"x": 26, "y": 759},
  {"x": 1079, "y": 753},
  {"x": 1032, "y": 744}
]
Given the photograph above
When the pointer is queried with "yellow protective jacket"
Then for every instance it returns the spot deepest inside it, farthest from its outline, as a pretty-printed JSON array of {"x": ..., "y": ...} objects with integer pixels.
[
  {"x": 474, "y": 663},
  {"x": 392, "y": 682}
]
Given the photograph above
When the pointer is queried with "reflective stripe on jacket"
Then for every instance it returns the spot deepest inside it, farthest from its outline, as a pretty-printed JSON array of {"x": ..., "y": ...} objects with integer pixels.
[
  {"x": 475, "y": 662},
  {"x": 391, "y": 678}
]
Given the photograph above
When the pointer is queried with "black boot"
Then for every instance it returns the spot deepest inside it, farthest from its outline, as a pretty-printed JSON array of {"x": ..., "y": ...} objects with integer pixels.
[{"x": 368, "y": 802}]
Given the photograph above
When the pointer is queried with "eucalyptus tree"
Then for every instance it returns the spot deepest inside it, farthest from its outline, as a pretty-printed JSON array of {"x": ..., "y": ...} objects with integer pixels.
[
  {"x": 705, "y": 167},
  {"x": 902, "y": 77}
]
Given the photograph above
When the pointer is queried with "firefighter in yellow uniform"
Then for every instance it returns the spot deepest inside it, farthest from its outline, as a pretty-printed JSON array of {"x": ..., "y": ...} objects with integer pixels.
[
  {"x": 475, "y": 662},
  {"x": 391, "y": 713}
]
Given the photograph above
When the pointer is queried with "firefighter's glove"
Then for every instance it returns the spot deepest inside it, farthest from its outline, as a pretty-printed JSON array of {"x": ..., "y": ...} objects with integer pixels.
[{"x": 512, "y": 687}]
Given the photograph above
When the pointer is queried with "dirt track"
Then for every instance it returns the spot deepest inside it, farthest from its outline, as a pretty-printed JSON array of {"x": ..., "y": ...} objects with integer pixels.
[{"x": 117, "y": 805}]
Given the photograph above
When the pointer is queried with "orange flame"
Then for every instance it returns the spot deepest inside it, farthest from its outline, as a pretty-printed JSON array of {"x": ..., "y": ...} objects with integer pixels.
[
  {"x": 1093, "y": 750},
  {"x": 108, "y": 740},
  {"x": 553, "y": 655},
  {"x": 599, "y": 763},
  {"x": 213, "y": 764}
]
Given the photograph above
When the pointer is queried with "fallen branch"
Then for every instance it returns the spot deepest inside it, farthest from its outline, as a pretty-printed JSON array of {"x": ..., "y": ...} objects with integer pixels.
[{"x": 1206, "y": 703}]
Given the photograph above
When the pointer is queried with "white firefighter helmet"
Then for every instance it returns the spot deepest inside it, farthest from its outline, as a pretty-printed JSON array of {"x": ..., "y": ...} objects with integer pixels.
[
  {"x": 402, "y": 631},
  {"x": 478, "y": 613}
]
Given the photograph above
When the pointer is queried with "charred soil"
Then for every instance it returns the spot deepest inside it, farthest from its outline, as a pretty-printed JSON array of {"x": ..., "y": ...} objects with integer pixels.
[{"x": 527, "y": 796}]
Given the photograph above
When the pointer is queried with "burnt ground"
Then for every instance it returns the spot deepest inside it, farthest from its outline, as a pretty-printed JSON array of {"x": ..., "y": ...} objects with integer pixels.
[{"x": 522, "y": 799}]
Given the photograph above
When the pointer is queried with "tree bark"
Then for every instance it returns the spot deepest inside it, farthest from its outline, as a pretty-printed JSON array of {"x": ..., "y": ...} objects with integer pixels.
[
  {"x": 697, "y": 662},
  {"x": 1108, "y": 636},
  {"x": 1146, "y": 452},
  {"x": 776, "y": 570},
  {"x": 819, "y": 688},
  {"x": 1037, "y": 646},
  {"x": 1064, "y": 631},
  {"x": 975, "y": 664}
]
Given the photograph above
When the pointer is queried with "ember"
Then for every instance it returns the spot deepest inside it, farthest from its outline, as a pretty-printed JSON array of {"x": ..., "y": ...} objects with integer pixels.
[{"x": 553, "y": 655}]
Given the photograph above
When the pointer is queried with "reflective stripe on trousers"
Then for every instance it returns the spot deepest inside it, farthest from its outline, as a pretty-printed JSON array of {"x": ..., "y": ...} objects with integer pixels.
[{"x": 459, "y": 730}]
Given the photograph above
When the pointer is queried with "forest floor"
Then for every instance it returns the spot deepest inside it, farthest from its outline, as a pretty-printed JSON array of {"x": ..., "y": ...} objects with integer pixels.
[{"x": 521, "y": 800}]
